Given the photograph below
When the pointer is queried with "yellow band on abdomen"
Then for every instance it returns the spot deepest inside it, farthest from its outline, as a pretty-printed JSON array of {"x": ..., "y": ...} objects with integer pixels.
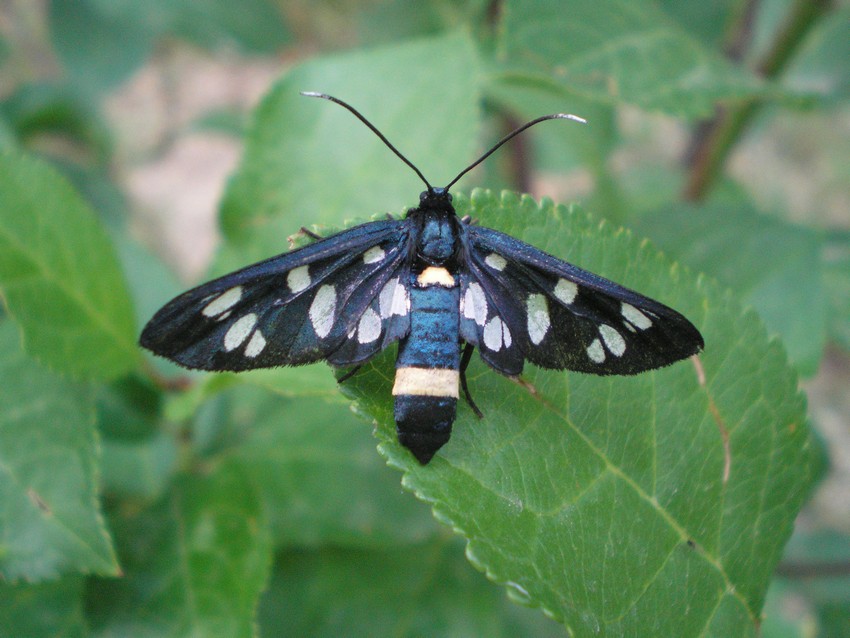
[{"x": 426, "y": 382}]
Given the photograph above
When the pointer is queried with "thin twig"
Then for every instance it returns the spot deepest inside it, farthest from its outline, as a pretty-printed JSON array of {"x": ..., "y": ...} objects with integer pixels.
[{"x": 714, "y": 141}]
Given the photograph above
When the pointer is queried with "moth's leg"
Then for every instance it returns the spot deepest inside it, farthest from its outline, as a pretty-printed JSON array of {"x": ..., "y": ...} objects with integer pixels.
[
  {"x": 350, "y": 373},
  {"x": 310, "y": 233},
  {"x": 465, "y": 358}
]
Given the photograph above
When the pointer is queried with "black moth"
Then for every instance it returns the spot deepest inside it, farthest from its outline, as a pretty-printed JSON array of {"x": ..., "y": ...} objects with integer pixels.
[{"x": 437, "y": 284}]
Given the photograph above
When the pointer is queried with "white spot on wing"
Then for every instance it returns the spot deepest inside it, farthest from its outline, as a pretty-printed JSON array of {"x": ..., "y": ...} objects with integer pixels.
[
  {"x": 496, "y": 262},
  {"x": 401, "y": 301},
  {"x": 496, "y": 335},
  {"x": 224, "y": 301},
  {"x": 393, "y": 299},
  {"x": 566, "y": 291},
  {"x": 369, "y": 326},
  {"x": 613, "y": 340},
  {"x": 635, "y": 316},
  {"x": 322, "y": 310},
  {"x": 239, "y": 331},
  {"x": 385, "y": 298},
  {"x": 475, "y": 304},
  {"x": 596, "y": 352},
  {"x": 298, "y": 279},
  {"x": 374, "y": 254},
  {"x": 255, "y": 345},
  {"x": 538, "y": 317}
]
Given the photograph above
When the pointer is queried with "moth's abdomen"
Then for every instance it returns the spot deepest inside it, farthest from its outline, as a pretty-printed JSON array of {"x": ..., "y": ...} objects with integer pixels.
[{"x": 426, "y": 381}]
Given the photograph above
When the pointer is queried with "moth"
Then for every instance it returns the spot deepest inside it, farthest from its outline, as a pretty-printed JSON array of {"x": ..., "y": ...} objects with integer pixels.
[{"x": 437, "y": 284}]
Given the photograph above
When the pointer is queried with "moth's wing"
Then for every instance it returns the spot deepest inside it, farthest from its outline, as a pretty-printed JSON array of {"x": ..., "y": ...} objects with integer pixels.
[
  {"x": 296, "y": 308},
  {"x": 562, "y": 317}
]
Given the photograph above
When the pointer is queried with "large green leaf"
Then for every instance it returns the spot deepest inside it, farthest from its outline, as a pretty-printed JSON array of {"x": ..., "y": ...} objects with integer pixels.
[
  {"x": 100, "y": 46},
  {"x": 59, "y": 274},
  {"x": 46, "y": 609},
  {"x": 50, "y": 520},
  {"x": 618, "y": 52},
  {"x": 774, "y": 265},
  {"x": 611, "y": 502},
  {"x": 421, "y": 590},
  {"x": 101, "y": 42},
  {"x": 315, "y": 466},
  {"x": 309, "y": 161},
  {"x": 194, "y": 563}
]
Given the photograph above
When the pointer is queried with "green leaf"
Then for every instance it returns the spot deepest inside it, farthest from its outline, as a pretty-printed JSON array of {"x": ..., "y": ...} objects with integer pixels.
[
  {"x": 50, "y": 521},
  {"x": 618, "y": 52},
  {"x": 46, "y": 609},
  {"x": 316, "y": 468},
  {"x": 708, "y": 21},
  {"x": 396, "y": 20},
  {"x": 309, "y": 161},
  {"x": 142, "y": 469},
  {"x": 606, "y": 499},
  {"x": 813, "y": 575},
  {"x": 821, "y": 65},
  {"x": 59, "y": 274},
  {"x": 837, "y": 283},
  {"x": 772, "y": 264},
  {"x": 100, "y": 42},
  {"x": 423, "y": 590},
  {"x": 194, "y": 564},
  {"x": 252, "y": 25},
  {"x": 40, "y": 109}
]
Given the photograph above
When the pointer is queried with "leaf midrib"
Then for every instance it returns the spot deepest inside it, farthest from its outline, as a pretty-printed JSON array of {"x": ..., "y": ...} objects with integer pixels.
[{"x": 611, "y": 467}]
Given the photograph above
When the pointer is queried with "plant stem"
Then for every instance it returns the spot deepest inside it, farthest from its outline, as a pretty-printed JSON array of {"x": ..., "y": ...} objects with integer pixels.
[{"x": 715, "y": 139}]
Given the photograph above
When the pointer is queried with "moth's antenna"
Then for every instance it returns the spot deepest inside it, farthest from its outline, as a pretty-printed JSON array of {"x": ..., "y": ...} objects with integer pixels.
[
  {"x": 360, "y": 117},
  {"x": 554, "y": 116}
]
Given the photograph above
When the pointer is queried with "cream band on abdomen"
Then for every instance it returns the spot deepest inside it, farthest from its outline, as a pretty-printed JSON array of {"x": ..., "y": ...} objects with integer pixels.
[{"x": 426, "y": 382}]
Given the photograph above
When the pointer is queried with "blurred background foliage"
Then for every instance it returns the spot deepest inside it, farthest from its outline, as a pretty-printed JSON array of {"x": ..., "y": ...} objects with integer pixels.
[{"x": 721, "y": 131}]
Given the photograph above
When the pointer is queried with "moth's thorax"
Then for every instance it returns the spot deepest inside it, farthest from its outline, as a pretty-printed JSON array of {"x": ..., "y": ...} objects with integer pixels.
[{"x": 437, "y": 228}]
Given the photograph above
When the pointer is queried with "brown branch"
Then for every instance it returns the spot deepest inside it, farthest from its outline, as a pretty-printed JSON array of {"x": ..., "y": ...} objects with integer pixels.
[
  {"x": 715, "y": 139},
  {"x": 814, "y": 569}
]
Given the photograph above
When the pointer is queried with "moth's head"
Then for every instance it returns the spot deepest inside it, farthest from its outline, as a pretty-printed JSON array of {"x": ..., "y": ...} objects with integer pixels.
[{"x": 436, "y": 197}]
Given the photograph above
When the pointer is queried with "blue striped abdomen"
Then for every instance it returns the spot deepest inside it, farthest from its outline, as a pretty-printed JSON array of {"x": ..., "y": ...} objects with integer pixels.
[{"x": 426, "y": 382}]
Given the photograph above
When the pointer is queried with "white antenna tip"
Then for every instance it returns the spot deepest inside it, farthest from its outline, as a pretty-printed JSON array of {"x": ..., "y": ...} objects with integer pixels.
[{"x": 574, "y": 118}]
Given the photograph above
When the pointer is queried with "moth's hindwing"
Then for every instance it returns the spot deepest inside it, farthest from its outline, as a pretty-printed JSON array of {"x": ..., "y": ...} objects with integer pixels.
[
  {"x": 559, "y": 316},
  {"x": 335, "y": 299}
]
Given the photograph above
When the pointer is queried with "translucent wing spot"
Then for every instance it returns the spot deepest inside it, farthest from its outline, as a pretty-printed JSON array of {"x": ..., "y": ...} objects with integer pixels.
[
  {"x": 223, "y": 302},
  {"x": 596, "y": 352},
  {"x": 475, "y": 304},
  {"x": 538, "y": 317},
  {"x": 496, "y": 262},
  {"x": 613, "y": 340},
  {"x": 497, "y": 335},
  {"x": 255, "y": 345},
  {"x": 239, "y": 331},
  {"x": 322, "y": 310},
  {"x": 635, "y": 316},
  {"x": 298, "y": 279},
  {"x": 566, "y": 291},
  {"x": 373, "y": 255},
  {"x": 393, "y": 299},
  {"x": 369, "y": 327}
]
